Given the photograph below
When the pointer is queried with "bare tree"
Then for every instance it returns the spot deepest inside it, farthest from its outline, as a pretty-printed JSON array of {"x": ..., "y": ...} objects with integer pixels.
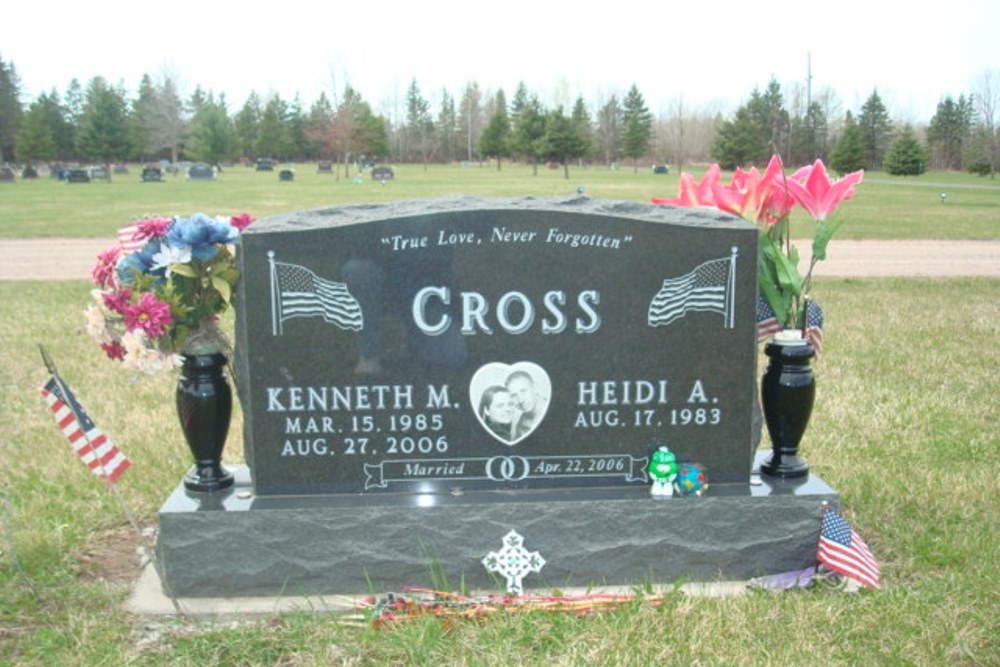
[{"x": 987, "y": 99}]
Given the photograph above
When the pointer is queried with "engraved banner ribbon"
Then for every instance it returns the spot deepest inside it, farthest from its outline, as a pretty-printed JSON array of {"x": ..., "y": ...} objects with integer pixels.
[{"x": 508, "y": 468}]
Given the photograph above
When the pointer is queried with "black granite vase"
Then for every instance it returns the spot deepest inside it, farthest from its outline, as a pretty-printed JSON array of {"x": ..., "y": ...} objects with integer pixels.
[
  {"x": 205, "y": 405},
  {"x": 788, "y": 389}
]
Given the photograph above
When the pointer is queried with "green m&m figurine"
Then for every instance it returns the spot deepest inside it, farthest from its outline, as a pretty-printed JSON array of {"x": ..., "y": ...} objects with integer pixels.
[{"x": 663, "y": 470}]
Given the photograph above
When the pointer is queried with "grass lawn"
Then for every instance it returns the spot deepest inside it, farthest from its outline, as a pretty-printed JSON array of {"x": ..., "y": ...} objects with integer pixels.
[
  {"x": 904, "y": 428},
  {"x": 884, "y": 207}
]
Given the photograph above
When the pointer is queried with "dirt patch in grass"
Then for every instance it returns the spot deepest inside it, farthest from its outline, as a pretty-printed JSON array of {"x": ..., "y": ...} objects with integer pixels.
[{"x": 114, "y": 556}]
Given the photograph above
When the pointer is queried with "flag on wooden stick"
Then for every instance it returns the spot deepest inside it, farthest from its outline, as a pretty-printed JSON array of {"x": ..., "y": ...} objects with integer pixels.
[{"x": 93, "y": 447}]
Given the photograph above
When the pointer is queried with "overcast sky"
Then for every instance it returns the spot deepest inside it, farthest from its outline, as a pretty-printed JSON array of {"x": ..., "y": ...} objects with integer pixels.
[{"x": 709, "y": 54}]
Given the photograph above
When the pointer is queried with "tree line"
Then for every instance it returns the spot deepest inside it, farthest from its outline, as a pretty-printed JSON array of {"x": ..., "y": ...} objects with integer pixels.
[{"x": 103, "y": 123}]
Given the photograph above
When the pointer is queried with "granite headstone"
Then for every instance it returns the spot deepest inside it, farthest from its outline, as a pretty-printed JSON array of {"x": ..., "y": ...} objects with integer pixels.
[
  {"x": 201, "y": 172},
  {"x": 494, "y": 344}
]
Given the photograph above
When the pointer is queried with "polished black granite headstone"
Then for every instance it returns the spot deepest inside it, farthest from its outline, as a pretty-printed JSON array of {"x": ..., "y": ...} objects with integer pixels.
[
  {"x": 421, "y": 380},
  {"x": 451, "y": 345}
]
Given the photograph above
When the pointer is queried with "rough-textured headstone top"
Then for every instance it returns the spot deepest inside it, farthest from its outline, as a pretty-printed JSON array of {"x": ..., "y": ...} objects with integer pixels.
[
  {"x": 468, "y": 343},
  {"x": 355, "y": 214}
]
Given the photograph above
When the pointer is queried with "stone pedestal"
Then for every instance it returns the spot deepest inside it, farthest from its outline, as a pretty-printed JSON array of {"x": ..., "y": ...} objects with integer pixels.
[{"x": 232, "y": 543}]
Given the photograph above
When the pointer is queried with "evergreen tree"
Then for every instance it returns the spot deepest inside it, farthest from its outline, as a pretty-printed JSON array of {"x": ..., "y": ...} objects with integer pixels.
[
  {"x": 272, "y": 133},
  {"x": 213, "y": 139},
  {"x": 637, "y": 134},
  {"x": 496, "y": 138},
  {"x": 319, "y": 125},
  {"x": 529, "y": 132},
  {"x": 562, "y": 141},
  {"x": 739, "y": 142},
  {"x": 906, "y": 156},
  {"x": 10, "y": 109},
  {"x": 767, "y": 113},
  {"x": 949, "y": 130},
  {"x": 36, "y": 138},
  {"x": 808, "y": 136},
  {"x": 849, "y": 153},
  {"x": 246, "y": 124},
  {"x": 583, "y": 127},
  {"x": 143, "y": 119},
  {"x": 299, "y": 145},
  {"x": 447, "y": 128},
  {"x": 876, "y": 130},
  {"x": 419, "y": 125},
  {"x": 103, "y": 132}
]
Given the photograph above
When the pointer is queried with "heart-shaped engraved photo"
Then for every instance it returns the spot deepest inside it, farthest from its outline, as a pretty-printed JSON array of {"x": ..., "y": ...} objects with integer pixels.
[{"x": 510, "y": 400}]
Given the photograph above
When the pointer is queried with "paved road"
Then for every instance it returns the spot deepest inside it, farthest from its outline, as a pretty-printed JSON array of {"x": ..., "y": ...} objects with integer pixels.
[{"x": 72, "y": 259}]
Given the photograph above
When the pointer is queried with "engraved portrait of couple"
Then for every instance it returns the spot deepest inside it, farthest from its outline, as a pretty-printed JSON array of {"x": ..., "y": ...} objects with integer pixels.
[{"x": 511, "y": 399}]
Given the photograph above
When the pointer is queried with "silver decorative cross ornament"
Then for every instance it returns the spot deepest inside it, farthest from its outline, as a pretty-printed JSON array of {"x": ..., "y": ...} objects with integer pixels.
[{"x": 513, "y": 562}]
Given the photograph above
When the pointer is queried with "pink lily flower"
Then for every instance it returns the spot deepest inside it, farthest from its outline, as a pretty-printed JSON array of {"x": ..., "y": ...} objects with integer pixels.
[
  {"x": 755, "y": 197},
  {"x": 819, "y": 196},
  {"x": 691, "y": 193}
]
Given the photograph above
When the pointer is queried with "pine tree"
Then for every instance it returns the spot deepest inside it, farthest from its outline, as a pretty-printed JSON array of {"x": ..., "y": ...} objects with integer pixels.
[
  {"x": 849, "y": 153},
  {"x": 949, "y": 130},
  {"x": 876, "y": 130},
  {"x": 906, "y": 156},
  {"x": 638, "y": 127},
  {"x": 496, "y": 138},
  {"x": 529, "y": 132},
  {"x": 103, "y": 132},
  {"x": 10, "y": 109},
  {"x": 35, "y": 138}
]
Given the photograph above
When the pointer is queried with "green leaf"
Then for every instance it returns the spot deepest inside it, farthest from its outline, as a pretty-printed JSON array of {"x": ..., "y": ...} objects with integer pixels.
[
  {"x": 222, "y": 287},
  {"x": 182, "y": 269},
  {"x": 823, "y": 235}
]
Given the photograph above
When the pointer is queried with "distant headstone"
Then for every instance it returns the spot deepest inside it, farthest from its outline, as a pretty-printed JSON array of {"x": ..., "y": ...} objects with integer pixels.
[
  {"x": 324, "y": 167},
  {"x": 661, "y": 169},
  {"x": 151, "y": 174},
  {"x": 121, "y": 169},
  {"x": 29, "y": 172},
  {"x": 265, "y": 164},
  {"x": 286, "y": 175},
  {"x": 494, "y": 345},
  {"x": 173, "y": 169},
  {"x": 77, "y": 176},
  {"x": 6, "y": 175},
  {"x": 100, "y": 174},
  {"x": 201, "y": 172},
  {"x": 383, "y": 174}
]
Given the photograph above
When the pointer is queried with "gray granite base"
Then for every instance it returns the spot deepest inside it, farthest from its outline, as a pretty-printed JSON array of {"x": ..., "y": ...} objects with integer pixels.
[{"x": 233, "y": 543}]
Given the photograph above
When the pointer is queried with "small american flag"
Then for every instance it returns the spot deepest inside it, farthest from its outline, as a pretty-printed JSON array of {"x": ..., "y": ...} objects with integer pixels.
[
  {"x": 843, "y": 551},
  {"x": 814, "y": 325},
  {"x": 93, "y": 447},
  {"x": 767, "y": 323},
  {"x": 127, "y": 237}
]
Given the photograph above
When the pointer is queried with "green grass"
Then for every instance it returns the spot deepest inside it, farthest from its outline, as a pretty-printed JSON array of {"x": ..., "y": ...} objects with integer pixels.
[
  {"x": 904, "y": 429},
  {"x": 884, "y": 207}
]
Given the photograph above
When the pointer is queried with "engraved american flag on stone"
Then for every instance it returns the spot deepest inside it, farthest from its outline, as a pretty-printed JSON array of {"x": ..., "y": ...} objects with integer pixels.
[
  {"x": 708, "y": 287},
  {"x": 298, "y": 292}
]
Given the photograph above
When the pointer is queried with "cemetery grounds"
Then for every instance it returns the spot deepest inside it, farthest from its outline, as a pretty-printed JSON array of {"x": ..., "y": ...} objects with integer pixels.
[{"x": 904, "y": 428}]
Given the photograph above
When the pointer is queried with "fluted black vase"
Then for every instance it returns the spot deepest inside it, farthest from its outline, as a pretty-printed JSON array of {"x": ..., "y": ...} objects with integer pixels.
[
  {"x": 788, "y": 389},
  {"x": 205, "y": 406}
]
